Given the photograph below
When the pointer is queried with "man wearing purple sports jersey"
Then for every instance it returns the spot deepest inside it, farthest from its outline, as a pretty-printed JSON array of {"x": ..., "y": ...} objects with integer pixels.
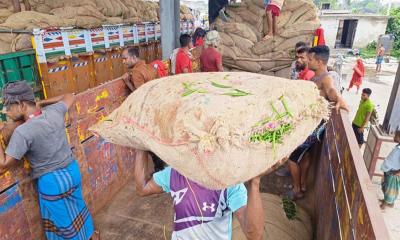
[{"x": 201, "y": 213}]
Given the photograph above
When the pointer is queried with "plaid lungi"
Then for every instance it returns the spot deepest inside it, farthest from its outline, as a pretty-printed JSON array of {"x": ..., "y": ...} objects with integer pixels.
[
  {"x": 390, "y": 187},
  {"x": 62, "y": 207}
]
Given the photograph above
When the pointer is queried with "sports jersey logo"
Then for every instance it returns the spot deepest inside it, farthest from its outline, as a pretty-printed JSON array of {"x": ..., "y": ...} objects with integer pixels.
[
  {"x": 211, "y": 207},
  {"x": 178, "y": 195}
]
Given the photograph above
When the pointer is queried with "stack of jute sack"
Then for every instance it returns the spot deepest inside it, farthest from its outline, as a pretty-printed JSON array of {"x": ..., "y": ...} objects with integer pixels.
[
  {"x": 242, "y": 44},
  {"x": 217, "y": 129},
  {"x": 78, "y": 13}
]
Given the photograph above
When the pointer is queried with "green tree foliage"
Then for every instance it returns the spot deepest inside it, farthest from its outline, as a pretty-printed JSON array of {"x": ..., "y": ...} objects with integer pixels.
[
  {"x": 366, "y": 6},
  {"x": 334, "y": 3},
  {"x": 393, "y": 26}
]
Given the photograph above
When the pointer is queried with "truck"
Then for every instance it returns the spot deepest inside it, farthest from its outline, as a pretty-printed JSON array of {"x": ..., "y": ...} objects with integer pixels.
[{"x": 340, "y": 200}]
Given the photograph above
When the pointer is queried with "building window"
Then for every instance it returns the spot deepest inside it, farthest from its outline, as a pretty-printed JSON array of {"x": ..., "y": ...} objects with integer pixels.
[{"x": 326, "y": 6}]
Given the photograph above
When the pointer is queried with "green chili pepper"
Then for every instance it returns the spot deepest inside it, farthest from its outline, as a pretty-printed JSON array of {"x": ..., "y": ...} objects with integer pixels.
[
  {"x": 235, "y": 94},
  {"x": 240, "y": 91},
  {"x": 285, "y": 105},
  {"x": 215, "y": 84},
  {"x": 188, "y": 92}
]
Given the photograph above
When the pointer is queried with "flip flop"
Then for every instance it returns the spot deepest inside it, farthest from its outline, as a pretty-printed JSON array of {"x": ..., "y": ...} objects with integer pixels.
[{"x": 294, "y": 196}]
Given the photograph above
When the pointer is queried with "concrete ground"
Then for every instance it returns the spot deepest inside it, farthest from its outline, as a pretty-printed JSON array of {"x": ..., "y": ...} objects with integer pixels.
[{"x": 381, "y": 86}]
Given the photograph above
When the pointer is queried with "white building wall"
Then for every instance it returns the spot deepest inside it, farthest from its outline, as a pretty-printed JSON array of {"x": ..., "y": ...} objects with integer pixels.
[
  {"x": 368, "y": 29},
  {"x": 330, "y": 26}
]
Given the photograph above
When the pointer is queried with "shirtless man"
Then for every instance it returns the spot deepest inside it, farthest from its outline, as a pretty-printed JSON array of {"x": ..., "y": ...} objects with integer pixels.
[
  {"x": 380, "y": 53},
  {"x": 317, "y": 61}
]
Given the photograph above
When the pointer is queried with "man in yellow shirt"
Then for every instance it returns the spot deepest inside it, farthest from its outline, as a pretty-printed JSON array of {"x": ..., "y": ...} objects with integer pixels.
[{"x": 363, "y": 115}]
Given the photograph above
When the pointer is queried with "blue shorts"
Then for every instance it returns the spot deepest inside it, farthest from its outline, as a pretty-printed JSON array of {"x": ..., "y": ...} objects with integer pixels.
[{"x": 379, "y": 60}]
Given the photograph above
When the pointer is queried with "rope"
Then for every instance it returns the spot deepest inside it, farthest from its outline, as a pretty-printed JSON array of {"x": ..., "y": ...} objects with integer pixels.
[
  {"x": 195, "y": 198},
  {"x": 263, "y": 59}
]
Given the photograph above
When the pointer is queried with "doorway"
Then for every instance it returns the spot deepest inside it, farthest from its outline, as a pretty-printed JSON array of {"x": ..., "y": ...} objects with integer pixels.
[{"x": 346, "y": 33}]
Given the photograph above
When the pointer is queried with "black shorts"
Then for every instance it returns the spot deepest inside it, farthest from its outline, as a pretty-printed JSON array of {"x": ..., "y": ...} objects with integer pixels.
[
  {"x": 311, "y": 140},
  {"x": 359, "y": 136},
  {"x": 299, "y": 153}
]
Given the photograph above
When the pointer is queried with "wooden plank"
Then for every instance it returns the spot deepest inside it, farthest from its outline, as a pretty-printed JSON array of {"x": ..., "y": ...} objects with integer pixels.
[
  {"x": 81, "y": 73},
  {"x": 13, "y": 221},
  {"x": 101, "y": 67},
  {"x": 118, "y": 67}
]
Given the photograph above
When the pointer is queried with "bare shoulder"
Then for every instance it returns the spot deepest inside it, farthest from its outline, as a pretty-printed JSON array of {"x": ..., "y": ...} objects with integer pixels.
[{"x": 327, "y": 80}]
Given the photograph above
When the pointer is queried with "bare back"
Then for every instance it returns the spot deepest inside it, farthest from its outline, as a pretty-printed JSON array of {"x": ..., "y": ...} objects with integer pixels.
[{"x": 324, "y": 84}]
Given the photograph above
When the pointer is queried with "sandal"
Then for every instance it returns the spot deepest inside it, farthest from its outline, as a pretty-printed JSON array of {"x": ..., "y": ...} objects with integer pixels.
[
  {"x": 303, "y": 188},
  {"x": 267, "y": 37},
  {"x": 292, "y": 195}
]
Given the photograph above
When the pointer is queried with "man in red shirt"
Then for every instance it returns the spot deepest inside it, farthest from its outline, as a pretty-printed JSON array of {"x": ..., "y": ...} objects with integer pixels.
[
  {"x": 302, "y": 64},
  {"x": 183, "y": 61},
  {"x": 211, "y": 58}
]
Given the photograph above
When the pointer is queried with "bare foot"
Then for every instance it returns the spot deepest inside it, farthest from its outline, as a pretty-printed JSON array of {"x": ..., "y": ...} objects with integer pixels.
[
  {"x": 385, "y": 204},
  {"x": 95, "y": 236},
  {"x": 268, "y": 36}
]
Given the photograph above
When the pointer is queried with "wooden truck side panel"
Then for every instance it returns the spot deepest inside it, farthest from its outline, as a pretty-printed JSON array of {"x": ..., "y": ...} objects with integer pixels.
[{"x": 346, "y": 206}]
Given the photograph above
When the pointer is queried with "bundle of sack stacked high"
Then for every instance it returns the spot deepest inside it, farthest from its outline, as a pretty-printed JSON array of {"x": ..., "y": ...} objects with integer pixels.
[
  {"x": 67, "y": 13},
  {"x": 242, "y": 45},
  {"x": 217, "y": 129}
]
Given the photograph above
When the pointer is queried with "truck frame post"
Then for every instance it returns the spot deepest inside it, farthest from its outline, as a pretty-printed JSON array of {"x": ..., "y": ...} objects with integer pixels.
[
  {"x": 392, "y": 117},
  {"x": 170, "y": 26}
]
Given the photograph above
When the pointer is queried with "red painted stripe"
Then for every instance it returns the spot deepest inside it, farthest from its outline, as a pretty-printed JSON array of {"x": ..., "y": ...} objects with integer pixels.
[{"x": 53, "y": 45}]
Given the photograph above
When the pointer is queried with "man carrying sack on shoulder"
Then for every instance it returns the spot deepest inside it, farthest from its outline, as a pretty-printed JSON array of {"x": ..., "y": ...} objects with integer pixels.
[{"x": 202, "y": 213}]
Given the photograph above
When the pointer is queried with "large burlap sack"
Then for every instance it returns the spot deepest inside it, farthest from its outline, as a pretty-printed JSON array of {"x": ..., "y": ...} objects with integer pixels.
[
  {"x": 244, "y": 44},
  {"x": 241, "y": 30},
  {"x": 114, "y": 20},
  {"x": 249, "y": 66},
  {"x": 227, "y": 52},
  {"x": 297, "y": 14},
  {"x": 201, "y": 124},
  {"x": 264, "y": 47},
  {"x": 308, "y": 16},
  {"x": 31, "y": 19},
  {"x": 259, "y": 3},
  {"x": 300, "y": 28},
  {"x": 72, "y": 12},
  {"x": 4, "y": 14},
  {"x": 88, "y": 22},
  {"x": 277, "y": 225},
  {"x": 226, "y": 39},
  {"x": 22, "y": 42},
  {"x": 283, "y": 73},
  {"x": 292, "y": 5},
  {"x": 282, "y": 20},
  {"x": 290, "y": 43},
  {"x": 5, "y": 47},
  {"x": 267, "y": 65},
  {"x": 297, "y": 22},
  {"x": 234, "y": 15}
]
